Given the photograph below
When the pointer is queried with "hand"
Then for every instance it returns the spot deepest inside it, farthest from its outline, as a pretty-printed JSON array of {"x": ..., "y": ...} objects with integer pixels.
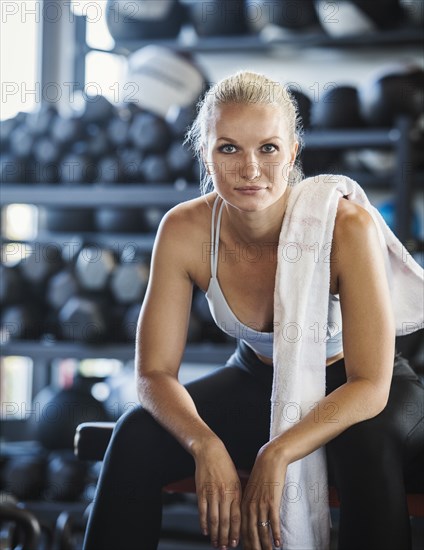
[
  {"x": 261, "y": 500},
  {"x": 219, "y": 495}
]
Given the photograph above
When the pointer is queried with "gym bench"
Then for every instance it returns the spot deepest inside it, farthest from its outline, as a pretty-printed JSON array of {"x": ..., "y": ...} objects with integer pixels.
[{"x": 92, "y": 439}]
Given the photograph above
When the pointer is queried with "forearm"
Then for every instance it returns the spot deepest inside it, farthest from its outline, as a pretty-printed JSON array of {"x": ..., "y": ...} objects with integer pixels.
[
  {"x": 171, "y": 405},
  {"x": 353, "y": 402}
]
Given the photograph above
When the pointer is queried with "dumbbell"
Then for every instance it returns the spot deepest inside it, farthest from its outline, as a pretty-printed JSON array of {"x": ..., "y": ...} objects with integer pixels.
[
  {"x": 97, "y": 140},
  {"x": 6, "y": 128},
  {"x": 180, "y": 119},
  {"x": 392, "y": 92},
  {"x": 41, "y": 262},
  {"x": 118, "y": 220},
  {"x": 61, "y": 287},
  {"x": 150, "y": 218},
  {"x": 84, "y": 318},
  {"x": 223, "y": 17},
  {"x": 180, "y": 161},
  {"x": 21, "y": 142},
  {"x": 47, "y": 151},
  {"x": 77, "y": 167},
  {"x": 67, "y": 130},
  {"x": 22, "y": 322},
  {"x": 108, "y": 170},
  {"x": 65, "y": 476},
  {"x": 299, "y": 15},
  {"x": 26, "y": 141},
  {"x": 26, "y": 529},
  {"x": 140, "y": 22},
  {"x": 150, "y": 133},
  {"x": 155, "y": 169},
  {"x": 24, "y": 475},
  {"x": 40, "y": 121},
  {"x": 63, "y": 532},
  {"x": 94, "y": 266},
  {"x": 60, "y": 411},
  {"x": 12, "y": 289},
  {"x": 96, "y": 108},
  {"x": 130, "y": 160},
  {"x": 12, "y": 169},
  {"x": 129, "y": 281},
  {"x": 118, "y": 130},
  {"x": 338, "y": 107}
]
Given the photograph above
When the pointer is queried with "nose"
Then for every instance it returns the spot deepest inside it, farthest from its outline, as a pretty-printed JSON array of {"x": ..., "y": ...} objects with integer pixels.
[{"x": 251, "y": 170}]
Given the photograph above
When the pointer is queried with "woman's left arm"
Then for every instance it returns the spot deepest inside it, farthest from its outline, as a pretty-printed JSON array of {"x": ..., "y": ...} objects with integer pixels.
[{"x": 369, "y": 348}]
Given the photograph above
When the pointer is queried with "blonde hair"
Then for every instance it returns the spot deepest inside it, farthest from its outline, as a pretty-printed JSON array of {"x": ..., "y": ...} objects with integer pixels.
[{"x": 243, "y": 87}]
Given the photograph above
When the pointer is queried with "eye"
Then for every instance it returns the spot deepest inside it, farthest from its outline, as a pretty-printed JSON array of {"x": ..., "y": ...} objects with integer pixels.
[
  {"x": 225, "y": 148},
  {"x": 269, "y": 147}
]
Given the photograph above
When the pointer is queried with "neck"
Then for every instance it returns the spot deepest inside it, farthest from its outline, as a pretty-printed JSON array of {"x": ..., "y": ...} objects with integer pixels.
[{"x": 262, "y": 227}]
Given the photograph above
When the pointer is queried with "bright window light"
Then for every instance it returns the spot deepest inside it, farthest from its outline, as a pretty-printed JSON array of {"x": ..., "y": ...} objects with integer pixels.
[
  {"x": 18, "y": 57},
  {"x": 20, "y": 221},
  {"x": 15, "y": 387}
]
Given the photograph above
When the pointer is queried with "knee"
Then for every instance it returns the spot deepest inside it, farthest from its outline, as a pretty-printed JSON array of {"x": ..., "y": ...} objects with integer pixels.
[{"x": 133, "y": 426}]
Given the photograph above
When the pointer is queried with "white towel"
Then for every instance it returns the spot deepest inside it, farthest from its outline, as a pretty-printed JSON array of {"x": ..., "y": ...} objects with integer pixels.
[{"x": 300, "y": 316}]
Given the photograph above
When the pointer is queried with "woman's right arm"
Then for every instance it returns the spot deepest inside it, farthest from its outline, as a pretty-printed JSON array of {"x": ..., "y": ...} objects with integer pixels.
[{"x": 161, "y": 338}]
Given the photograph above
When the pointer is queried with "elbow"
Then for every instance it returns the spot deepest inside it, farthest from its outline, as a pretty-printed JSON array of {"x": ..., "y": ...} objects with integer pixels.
[
  {"x": 143, "y": 386},
  {"x": 379, "y": 400},
  {"x": 372, "y": 398},
  {"x": 379, "y": 406}
]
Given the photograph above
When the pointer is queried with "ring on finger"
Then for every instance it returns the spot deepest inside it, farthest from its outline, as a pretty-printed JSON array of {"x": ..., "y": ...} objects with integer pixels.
[{"x": 264, "y": 523}]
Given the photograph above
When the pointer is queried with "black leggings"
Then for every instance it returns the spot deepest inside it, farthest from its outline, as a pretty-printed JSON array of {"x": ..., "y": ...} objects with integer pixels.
[{"x": 367, "y": 462}]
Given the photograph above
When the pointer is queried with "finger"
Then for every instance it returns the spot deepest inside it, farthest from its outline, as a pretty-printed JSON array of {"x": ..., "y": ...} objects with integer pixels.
[
  {"x": 202, "y": 504},
  {"x": 235, "y": 524},
  {"x": 264, "y": 530},
  {"x": 213, "y": 520},
  {"x": 224, "y": 523},
  {"x": 252, "y": 528},
  {"x": 275, "y": 526},
  {"x": 244, "y": 527}
]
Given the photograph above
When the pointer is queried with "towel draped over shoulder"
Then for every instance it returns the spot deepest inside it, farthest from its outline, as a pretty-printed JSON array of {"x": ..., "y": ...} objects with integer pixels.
[{"x": 300, "y": 315}]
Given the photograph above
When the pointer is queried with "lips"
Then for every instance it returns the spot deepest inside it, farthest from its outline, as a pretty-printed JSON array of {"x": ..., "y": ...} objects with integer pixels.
[{"x": 250, "y": 188}]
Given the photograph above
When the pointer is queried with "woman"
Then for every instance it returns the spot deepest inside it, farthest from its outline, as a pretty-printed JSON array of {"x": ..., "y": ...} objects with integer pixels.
[{"x": 247, "y": 138}]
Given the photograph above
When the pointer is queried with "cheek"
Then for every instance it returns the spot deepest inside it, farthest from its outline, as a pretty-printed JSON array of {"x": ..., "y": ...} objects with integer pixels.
[
  {"x": 224, "y": 168},
  {"x": 274, "y": 170}
]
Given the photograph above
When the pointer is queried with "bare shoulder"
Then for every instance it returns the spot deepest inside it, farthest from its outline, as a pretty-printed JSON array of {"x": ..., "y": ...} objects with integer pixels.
[
  {"x": 355, "y": 241},
  {"x": 352, "y": 222},
  {"x": 190, "y": 212},
  {"x": 183, "y": 233},
  {"x": 188, "y": 221}
]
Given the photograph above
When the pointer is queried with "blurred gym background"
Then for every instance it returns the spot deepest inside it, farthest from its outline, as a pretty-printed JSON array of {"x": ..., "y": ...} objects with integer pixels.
[{"x": 95, "y": 99}]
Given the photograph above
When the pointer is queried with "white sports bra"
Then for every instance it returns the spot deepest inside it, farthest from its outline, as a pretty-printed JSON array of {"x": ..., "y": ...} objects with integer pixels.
[{"x": 260, "y": 342}]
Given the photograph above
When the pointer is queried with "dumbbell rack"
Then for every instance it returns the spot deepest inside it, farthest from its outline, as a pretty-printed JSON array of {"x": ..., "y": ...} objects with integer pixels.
[{"x": 187, "y": 40}]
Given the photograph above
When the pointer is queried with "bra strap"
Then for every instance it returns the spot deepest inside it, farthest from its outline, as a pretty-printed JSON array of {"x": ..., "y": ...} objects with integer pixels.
[{"x": 215, "y": 230}]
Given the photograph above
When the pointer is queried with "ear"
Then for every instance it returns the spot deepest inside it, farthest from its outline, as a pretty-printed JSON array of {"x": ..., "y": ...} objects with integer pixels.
[{"x": 294, "y": 153}]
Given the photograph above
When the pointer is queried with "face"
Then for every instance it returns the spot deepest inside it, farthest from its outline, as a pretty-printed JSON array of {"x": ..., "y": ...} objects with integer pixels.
[{"x": 248, "y": 154}]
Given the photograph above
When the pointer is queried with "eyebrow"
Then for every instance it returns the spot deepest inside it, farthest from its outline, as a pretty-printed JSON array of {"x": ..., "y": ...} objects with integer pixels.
[{"x": 264, "y": 141}]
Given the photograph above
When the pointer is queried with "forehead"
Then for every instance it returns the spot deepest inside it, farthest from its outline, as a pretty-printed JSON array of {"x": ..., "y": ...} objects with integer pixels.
[{"x": 234, "y": 119}]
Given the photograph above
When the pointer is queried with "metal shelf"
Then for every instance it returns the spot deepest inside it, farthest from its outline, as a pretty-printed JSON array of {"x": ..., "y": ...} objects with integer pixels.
[
  {"x": 92, "y": 195},
  {"x": 119, "y": 241},
  {"x": 351, "y": 138},
  {"x": 204, "y": 353},
  {"x": 188, "y": 41}
]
